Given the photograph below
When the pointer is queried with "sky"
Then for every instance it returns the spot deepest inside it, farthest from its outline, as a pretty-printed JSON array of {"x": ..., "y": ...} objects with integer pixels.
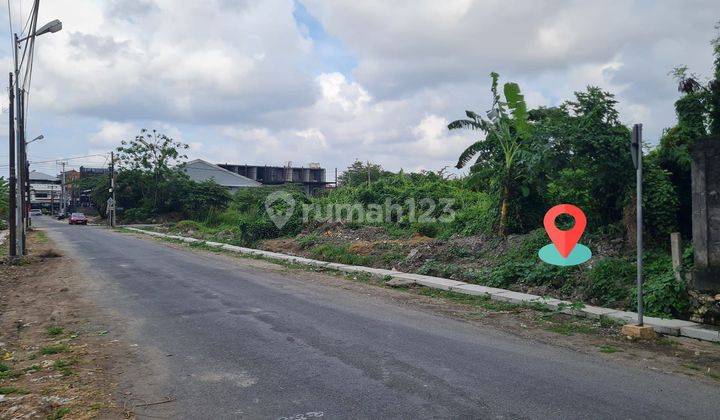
[{"x": 267, "y": 82}]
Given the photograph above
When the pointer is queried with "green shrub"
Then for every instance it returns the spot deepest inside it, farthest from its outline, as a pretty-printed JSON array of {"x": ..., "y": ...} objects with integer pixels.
[
  {"x": 610, "y": 281},
  {"x": 308, "y": 241},
  {"x": 660, "y": 203},
  {"x": 187, "y": 226},
  {"x": 427, "y": 229},
  {"x": 664, "y": 295},
  {"x": 521, "y": 264},
  {"x": 339, "y": 254}
]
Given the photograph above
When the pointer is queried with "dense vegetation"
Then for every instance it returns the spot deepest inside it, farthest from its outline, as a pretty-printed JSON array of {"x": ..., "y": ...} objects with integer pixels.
[{"x": 524, "y": 162}]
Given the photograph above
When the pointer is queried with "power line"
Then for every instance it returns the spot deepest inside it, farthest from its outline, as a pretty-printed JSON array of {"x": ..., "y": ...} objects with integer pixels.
[{"x": 67, "y": 158}]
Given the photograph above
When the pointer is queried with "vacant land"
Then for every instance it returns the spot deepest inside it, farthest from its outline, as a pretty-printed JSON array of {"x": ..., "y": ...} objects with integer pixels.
[{"x": 57, "y": 358}]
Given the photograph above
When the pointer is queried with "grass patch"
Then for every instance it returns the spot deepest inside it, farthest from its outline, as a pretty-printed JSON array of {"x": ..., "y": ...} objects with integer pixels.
[
  {"x": 6, "y": 372},
  {"x": 40, "y": 237},
  {"x": 33, "y": 368},
  {"x": 609, "y": 349},
  {"x": 64, "y": 366},
  {"x": 483, "y": 302},
  {"x": 59, "y": 413},
  {"x": 570, "y": 328},
  {"x": 712, "y": 374},
  {"x": 54, "y": 330},
  {"x": 5, "y": 390},
  {"x": 339, "y": 254},
  {"x": 54, "y": 349},
  {"x": 692, "y": 366}
]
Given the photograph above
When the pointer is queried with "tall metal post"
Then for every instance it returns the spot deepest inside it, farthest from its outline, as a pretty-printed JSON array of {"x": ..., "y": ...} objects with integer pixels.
[
  {"x": 112, "y": 189},
  {"x": 21, "y": 171},
  {"x": 19, "y": 225},
  {"x": 637, "y": 160},
  {"x": 12, "y": 212},
  {"x": 63, "y": 199},
  {"x": 28, "y": 221}
]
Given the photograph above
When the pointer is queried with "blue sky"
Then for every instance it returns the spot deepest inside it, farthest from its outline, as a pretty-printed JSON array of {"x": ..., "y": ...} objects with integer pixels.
[{"x": 329, "y": 82}]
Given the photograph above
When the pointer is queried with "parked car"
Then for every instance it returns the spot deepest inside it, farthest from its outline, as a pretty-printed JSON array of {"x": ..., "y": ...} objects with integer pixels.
[
  {"x": 77, "y": 219},
  {"x": 36, "y": 212}
]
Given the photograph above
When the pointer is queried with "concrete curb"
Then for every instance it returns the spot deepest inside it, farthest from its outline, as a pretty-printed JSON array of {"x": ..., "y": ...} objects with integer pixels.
[{"x": 676, "y": 327}]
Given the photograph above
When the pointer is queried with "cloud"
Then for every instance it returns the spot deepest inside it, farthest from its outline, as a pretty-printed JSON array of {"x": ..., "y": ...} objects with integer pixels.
[
  {"x": 329, "y": 82},
  {"x": 111, "y": 133}
]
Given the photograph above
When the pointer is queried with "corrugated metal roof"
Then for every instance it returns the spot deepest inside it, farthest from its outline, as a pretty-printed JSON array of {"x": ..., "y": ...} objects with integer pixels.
[
  {"x": 39, "y": 176},
  {"x": 199, "y": 170}
]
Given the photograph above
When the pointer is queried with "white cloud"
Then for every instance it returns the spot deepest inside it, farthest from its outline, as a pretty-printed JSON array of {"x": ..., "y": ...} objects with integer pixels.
[
  {"x": 239, "y": 81},
  {"x": 111, "y": 133}
]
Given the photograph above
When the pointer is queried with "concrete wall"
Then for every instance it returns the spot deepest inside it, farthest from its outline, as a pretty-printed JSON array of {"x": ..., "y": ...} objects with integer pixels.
[{"x": 706, "y": 213}]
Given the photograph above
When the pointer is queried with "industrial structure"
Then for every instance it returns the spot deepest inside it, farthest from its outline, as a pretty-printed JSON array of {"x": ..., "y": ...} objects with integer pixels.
[
  {"x": 312, "y": 178},
  {"x": 199, "y": 171}
]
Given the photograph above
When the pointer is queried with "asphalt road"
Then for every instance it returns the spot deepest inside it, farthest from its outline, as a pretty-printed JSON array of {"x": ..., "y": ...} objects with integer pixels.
[{"x": 253, "y": 343}]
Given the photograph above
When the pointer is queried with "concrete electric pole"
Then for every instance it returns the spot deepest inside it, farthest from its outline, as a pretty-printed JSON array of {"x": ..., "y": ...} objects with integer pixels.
[{"x": 12, "y": 213}]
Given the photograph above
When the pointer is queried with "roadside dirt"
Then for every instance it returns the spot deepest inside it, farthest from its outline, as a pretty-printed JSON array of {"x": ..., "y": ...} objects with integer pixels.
[
  {"x": 672, "y": 355},
  {"x": 57, "y": 357}
]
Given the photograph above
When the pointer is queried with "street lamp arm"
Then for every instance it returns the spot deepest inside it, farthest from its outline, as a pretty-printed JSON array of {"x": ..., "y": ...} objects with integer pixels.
[{"x": 50, "y": 27}]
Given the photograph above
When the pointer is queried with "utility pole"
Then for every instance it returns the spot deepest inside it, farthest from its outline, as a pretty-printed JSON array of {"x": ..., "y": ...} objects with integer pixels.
[
  {"x": 28, "y": 221},
  {"x": 62, "y": 190},
  {"x": 12, "y": 213},
  {"x": 636, "y": 149},
  {"x": 21, "y": 208},
  {"x": 112, "y": 189},
  {"x": 19, "y": 99}
]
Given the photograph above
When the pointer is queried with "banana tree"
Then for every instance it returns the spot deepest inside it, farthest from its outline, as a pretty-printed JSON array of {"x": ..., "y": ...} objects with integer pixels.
[{"x": 506, "y": 129}]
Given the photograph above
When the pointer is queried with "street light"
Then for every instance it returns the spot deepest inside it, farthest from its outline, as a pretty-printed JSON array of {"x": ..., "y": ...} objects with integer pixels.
[
  {"x": 50, "y": 27},
  {"x": 40, "y": 137},
  {"x": 18, "y": 126}
]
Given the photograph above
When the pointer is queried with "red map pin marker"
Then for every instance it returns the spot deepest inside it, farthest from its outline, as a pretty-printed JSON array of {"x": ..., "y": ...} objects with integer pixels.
[{"x": 565, "y": 240}]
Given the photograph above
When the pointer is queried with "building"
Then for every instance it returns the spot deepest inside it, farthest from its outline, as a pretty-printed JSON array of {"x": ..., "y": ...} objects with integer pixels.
[
  {"x": 311, "y": 178},
  {"x": 199, "y": 170},
  {"x": 45, "y": 191},
  {"x": 86, "y": 172}
]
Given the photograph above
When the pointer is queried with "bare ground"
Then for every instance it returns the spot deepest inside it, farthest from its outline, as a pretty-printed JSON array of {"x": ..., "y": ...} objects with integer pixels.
[{"x": 58, "y": 357}]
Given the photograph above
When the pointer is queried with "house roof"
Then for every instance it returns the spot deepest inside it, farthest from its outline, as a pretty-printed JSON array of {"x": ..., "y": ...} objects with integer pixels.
[
  {"x": 39, "y": 176},
  {"x": 199, "y": 170}
]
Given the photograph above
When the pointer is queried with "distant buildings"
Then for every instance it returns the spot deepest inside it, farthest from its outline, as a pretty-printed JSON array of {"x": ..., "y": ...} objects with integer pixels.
[
  {"x": 311, "y": 178},
  {"x": 45, "y": 190},
  {"x": 199, "y": 170}
]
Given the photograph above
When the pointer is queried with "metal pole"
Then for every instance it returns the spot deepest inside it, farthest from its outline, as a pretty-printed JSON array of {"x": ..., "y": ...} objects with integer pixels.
[
  {"x": 21, "y": 169},
  {"x": 639, "y": 222},
  {"x": 112, "y": 187},
  {"x": 62, "y": 190},
  {"x": 28, "y": 222},
  {"x": 12, "y": 213},
  {"x": 19, "y": 229}
]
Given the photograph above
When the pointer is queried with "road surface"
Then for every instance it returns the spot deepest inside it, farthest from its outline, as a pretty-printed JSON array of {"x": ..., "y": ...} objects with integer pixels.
[{"x": 233, "y": 341}]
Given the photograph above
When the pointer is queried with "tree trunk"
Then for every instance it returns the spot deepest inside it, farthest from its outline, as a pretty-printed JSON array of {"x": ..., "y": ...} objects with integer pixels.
[{"x": 504, "y": 210}]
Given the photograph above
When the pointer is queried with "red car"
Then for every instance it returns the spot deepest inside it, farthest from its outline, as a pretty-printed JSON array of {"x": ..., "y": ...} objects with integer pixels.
[{"x": 77, "y": 219}]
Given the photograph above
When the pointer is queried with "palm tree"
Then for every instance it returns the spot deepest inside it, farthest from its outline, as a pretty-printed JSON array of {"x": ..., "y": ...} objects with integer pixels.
[{"x": 505, "y": 128}]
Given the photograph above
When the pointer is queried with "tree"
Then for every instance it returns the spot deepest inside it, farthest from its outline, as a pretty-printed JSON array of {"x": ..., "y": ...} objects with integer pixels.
[
  {"x": 506, "y": 128},
  {"x": 361, "y": 173},
  {"x": 151, "y": 153}
]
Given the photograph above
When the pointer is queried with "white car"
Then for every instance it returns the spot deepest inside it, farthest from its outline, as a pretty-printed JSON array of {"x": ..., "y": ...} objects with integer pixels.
[{"x": 36, "y": 212}]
